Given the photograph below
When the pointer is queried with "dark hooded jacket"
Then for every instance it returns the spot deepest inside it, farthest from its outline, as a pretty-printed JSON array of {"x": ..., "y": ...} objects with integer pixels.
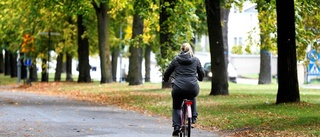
[{"x": 188, "y": 71}]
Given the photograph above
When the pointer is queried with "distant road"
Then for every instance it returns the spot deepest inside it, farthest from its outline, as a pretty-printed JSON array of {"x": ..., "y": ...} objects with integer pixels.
[{"x": 25, "y": 114}]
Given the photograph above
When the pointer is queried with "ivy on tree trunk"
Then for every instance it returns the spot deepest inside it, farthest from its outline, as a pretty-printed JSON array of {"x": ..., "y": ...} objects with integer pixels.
[
  {"x": 135, "y": 60},
  {"x": 165, "y": 35}
]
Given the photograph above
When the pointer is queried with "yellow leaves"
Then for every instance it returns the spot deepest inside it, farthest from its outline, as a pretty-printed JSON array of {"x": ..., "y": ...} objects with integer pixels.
[
  {"x": 128, "y": 29},
  {"x": 43, "y": 11},
  {"x": 154, "y": 7},
  {"x": 116, "y": 6},
  {"x": 150, "y": 22},
  {"x": 28, "y": 43},
  {"x": 148, "y": 35}
]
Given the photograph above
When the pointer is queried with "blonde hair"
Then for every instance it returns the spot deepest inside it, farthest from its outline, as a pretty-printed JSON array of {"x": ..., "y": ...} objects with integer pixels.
[{"x": 186, "y": 47}]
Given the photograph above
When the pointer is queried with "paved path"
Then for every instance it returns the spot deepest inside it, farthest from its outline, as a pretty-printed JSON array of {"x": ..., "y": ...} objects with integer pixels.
[{"x": 27, "y": 114}]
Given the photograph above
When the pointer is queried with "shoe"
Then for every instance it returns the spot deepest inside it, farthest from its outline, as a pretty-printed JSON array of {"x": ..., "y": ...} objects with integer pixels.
[
  {"x": 194, "y": 120},
  {"x": 176, "y": 131}
]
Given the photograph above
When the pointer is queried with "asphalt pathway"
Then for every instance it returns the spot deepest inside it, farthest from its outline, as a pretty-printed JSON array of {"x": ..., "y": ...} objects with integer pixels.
[{"x": 25, "y": 114}]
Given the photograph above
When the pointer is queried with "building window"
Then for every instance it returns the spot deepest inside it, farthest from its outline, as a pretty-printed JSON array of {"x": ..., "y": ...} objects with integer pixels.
[
  {"x": 238, "y": 41},
  {"x": 235, "y": 41}
]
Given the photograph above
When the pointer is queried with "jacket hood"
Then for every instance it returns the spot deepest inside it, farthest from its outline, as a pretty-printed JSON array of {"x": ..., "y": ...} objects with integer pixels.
[{"x": 184, "y": 59}]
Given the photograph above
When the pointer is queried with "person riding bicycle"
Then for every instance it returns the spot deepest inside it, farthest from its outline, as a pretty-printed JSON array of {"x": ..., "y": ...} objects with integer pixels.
[{"x": 188, "y": 71}]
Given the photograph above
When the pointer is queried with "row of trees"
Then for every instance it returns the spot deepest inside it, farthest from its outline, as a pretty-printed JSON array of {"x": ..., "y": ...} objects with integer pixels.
[
  {"x": 160, "y": 26},
  {"x": 95, "y": 27}
]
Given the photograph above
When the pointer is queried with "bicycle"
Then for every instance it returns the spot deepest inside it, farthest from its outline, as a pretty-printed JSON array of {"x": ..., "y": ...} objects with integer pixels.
[{"x": 186, "y": 118}]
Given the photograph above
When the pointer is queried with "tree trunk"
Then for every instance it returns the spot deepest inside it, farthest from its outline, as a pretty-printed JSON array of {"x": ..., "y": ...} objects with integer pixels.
[
  {"x": 225, "y": 19},
  {"x": 1, "y": 61},
  {"x": 59, "y": 66},
  {"x": 265, "y": 55},
  {"x": 83, "y": 52},
  {"x": 265, "y": 67},
  {"x": 165, "y": 34},
  {"x": 114, "y": 62},
  {"x": 13, "y": 65},
  {"x": 69, "y": 76},
  {"x": 44, "y": 73},
  {"x": 104, "y": 48},
  {"x": 23, "y": 67},
  {"x": 69, "y": 68},
  {"x": 219, "y": 81},
  {"x": 7, "y": 69},
  {"x": 288, "y": 87},
  {"x": 135, "y": 60},
  {"x": 147, "y": 63},
  {"x": 45, "y": 62},
  {"x": 33, "y": 72}
]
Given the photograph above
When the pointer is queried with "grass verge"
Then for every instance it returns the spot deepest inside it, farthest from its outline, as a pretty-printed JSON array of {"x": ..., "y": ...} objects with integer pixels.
[
  {"x": 5, "y": 80},
  {"x": 249, "y": 110}
]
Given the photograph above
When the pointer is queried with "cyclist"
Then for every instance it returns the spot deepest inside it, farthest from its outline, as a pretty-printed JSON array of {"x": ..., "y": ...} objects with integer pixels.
[{"x": 188, "y": 70}]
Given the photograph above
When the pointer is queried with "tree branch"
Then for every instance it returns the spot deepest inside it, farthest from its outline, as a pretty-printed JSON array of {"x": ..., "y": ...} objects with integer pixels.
[{"x": 95, "y": 5}]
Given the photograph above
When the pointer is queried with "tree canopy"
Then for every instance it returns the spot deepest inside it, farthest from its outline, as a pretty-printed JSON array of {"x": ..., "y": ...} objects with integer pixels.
[{"x": 187, "y": 19}]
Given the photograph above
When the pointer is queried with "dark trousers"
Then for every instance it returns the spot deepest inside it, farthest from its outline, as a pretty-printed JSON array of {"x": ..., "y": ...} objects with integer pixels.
[{"x": 178, "y": 96}]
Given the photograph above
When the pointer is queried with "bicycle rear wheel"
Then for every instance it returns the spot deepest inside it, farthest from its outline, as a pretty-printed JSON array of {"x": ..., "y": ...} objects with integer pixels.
[
  {"x": 189, "y": 127},
  {"x": 186, "y": 127}
]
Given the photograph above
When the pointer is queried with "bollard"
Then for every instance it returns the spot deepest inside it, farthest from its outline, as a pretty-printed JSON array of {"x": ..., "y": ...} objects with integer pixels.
[{"x": 19, "y": 67}]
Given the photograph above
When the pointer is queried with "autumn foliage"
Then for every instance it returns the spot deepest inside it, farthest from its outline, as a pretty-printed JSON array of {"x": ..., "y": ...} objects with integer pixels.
[{"x": 28, "y": 43}]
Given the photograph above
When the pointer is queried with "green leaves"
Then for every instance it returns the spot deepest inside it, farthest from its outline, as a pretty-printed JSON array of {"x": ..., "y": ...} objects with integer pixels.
[{"x": 307, "y": 26}]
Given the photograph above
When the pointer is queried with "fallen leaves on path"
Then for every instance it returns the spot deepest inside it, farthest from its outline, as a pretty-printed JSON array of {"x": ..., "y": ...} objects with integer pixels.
[
  {"x": 111, "y": 94},
  {"x": 115, "y": 94}
]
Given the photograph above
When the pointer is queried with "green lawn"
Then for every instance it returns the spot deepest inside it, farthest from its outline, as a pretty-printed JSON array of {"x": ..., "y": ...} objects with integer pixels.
[
  {"x": 253, "y": 107},
  {"x": 249, "y": 110},
  {"x": 5, "y": 80}
]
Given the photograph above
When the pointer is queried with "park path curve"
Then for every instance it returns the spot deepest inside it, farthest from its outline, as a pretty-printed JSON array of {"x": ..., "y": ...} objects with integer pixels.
[{"x": 24, "y": 114}]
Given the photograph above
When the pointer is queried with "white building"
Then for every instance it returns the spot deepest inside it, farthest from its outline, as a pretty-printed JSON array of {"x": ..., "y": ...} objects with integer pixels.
[{"x": 241, "y": 25}]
